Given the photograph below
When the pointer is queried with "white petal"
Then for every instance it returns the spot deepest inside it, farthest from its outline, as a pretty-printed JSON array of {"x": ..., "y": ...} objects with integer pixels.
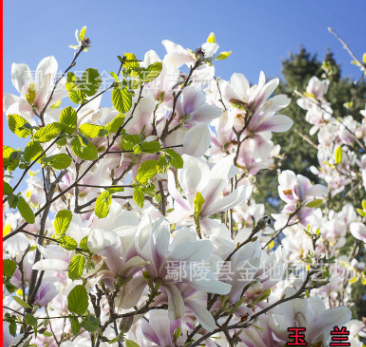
[
  {"x": 202, "y": 314},
  {"x": 51, "y": 265}
]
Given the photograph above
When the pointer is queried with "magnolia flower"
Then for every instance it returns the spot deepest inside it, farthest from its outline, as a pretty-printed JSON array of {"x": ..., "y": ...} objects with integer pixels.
[
  {"x": 197, "y": 179},
  {"x": 45, "y": 294},
  {"x": 42, "y": 86},
  {"x": 160, "y": 329},
  {"x": 297, "y": 188},
  {"x": 358, "y": 230},
  {"x": 310, "y": 314},
  {"x": 153, "y": 245},
  {"x": 178, "y": 56}
]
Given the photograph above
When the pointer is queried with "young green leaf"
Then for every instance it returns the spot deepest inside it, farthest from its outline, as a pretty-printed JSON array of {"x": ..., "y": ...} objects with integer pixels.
[
  {"x": 103, "y": 204},
  {"x": 11, "y": 158},
  {"x": 68, "y": 120},
  {"x": 138, "y": 197},
  {"x": 77, "y": 300},
  {"x": 25, "y": 210},
  {"x": 152, "y": 72},
  {"x": 76, "y": 267},
  {"x": 21, "y": 302},
  {"x": 48, "y": 132},
  {"x": 60, "y": 161},
  {"x": 115, "y": 124},
  {"x": 129, "y": 142},
  {"x": 91, "y": 82},
  {"x": 15, "y": 122},
  {"x": 163, "y": 164},
  {"x": 150, "y": 147},
  {"x": 7, "y": 189},
  {"x": 62, "y": 222},
  {"x": 9, "y": 267},
  {"x": 146, "y": 171},
  {"x": 130, "y": 343},
  {"x": 338, "y": 154},
  {"x": 92, "y": 130},
  {"x": 174, "y": 158},
  {"x": 121, "y": 99},
  {"x": 68, "y": 243},
  {"x": 314, "y": 203},
  {"x": 75, "y": 325},
  {"x": 88, "y": 152},
  {"x": 90, "y": 323},
  {"x": 32, "y": 151}
]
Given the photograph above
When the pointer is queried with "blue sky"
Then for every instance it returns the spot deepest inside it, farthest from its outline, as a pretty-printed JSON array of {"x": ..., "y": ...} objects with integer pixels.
[{"x": 259, "y": 32}]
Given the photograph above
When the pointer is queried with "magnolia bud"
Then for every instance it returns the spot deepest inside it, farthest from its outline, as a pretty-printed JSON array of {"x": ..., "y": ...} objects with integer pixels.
[{"x": 125, "y": 324}]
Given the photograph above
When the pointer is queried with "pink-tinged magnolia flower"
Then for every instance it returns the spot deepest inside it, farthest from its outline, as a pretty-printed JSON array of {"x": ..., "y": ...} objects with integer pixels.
[
  {"x": 45, "y": 294},
  {"x": 358, "y": 230},
  {"x": 297, "y": 188},
  {"x": 183, "y": 254},
  {"x": 178, "y": 56},
  {"x": 310, "y": 314},
  {"x": 56, "y": 259},
  {"x": 192, "y": 109},
  {"x": 160, "y": 329},
  {"x": 196, "y": 177},
  {"x": 262, "y": 337},
  {"x": 43, "y": 84},
  {"x": 255, "y": 97}
]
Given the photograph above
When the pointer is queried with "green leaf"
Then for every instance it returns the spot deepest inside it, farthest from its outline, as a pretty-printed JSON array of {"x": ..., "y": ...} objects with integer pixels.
[
  {"x": 76, "y": 267},
  {"x": 364, "y": 204},
  {"x": 130, "y": 343},
  {"x": 9, "y": 267},
  {"x": 68, "y": 120},
  {"x": 146, "y": 171},
  {"x": 7, "y": 189},
  {"x": 68, "y": 243},
  {"x": 197, "y": 203},
  {"x": 174, "y": 158},
  {"x": 163, "y": 164},
  {"x": 115, "y": 124},
  {"x": 15, "y": 122},
  {"x": 103, "y": 204},
  {"x": 32, "y": 321},
  {"x": 361, "y": 212},
  {"x": 48, "y": 133},
  {"x": 13, "y": 328},
  {"x": 77, "y": 300},
  {"x": 21, "y": 302},
  {"x": 84, "y": 244},
  {"x": 150, "y": 147},
  {"x": 75, "y": 325},
  {"x": 129, "y": 141},
  {"x": 47, "y": 334},
  {"x": 88, "y": 152},
  {"x": 121, "y": 99},
  {"x": 130, "y": 61},
  {"x": 314, "y": 203},
  {"x": 56, "y": 105},
  {"x": 223, "y": 55},
  {"x": 13, "y": 200},
  {"x": 90, "y": 323},
  {"x": 32, "y": 151},
  {"x": 11, "y": 158},
  {"x": 264, "y": 296},
  {"x": 91, "y": 82},
  {"x": 338, "y": 155},
  {"x": 92, "y": 130},
  {"x": 138, "y": 197},
  {"x": 77, "y": 96},
  {"x": 60, "y": 161},
  {"x": 25, "y": 210},
  {"x": 152, "y": 71},
  {"x": 62, "y": 222}
]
